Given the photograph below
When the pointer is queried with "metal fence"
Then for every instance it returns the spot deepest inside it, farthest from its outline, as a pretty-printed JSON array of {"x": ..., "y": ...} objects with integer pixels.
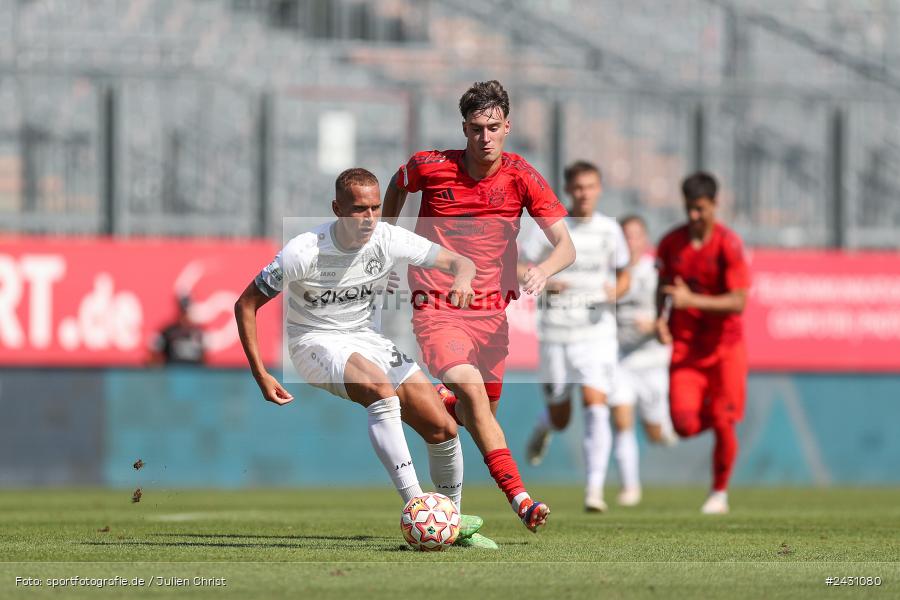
[{"x": 212, "y": 124}]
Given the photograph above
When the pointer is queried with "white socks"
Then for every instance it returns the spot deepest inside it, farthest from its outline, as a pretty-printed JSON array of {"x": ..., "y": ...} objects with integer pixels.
[
  {"x": 389, "y": 442},
  {"x": 543, "y": 422},
  {"x": 626, "y": 453},
  {"x": 597, "y": 444},
  {"x": 445, "y": 461}
]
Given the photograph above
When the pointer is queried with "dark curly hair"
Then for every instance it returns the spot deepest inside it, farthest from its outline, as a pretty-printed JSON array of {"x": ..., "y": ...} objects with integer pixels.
[
  {"x": 484, "y": 97},
  {"x": 700, "y": 185}
]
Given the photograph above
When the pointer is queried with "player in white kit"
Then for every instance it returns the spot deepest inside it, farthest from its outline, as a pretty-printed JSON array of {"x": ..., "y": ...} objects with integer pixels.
[
  {"x": 642, "y": 378},
  {"x": 332, "y": 276},
  {"x": 577, "y": 328}
]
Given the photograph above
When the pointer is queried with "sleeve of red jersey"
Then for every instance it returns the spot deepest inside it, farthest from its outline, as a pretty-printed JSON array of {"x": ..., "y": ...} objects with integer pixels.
[
  {"x": 737, "y": 272},
  {"x": 409, "y": 176},
  {"x": 540, "y": 201}
]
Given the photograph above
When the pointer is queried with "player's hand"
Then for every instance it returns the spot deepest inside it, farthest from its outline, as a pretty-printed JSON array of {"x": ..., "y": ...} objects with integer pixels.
[
  {"x": 461, "y": 293},
  {"x": 645, "y": 325},
  {"x": 610, "y": 290},
  {"x": 662, "y": 331},
  {"x": 535, "y": 281},
  {"x": 272, "y": 390},
  {"x": 681, "y": 294},
  {"x": 393, "y": 282}
]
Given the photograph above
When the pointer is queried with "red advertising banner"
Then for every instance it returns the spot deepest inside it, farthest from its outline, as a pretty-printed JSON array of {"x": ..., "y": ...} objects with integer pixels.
[
  {"x": 100, "y": 302},
  {"x": 824, "y": 311},
  {"x": 807, "y": 311}
]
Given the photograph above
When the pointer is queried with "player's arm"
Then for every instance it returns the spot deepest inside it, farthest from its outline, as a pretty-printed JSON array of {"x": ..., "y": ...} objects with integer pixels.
[
  {"x": 463, "y": 270},
  {"x": 663, "y": 302},
  {"x": 623, "y": 282},
  {"x": 245, "y": 309},
  {"x": 663, "y": 308},
  {"x": 561, "y": 256},
  {"x": 394, "y": 199},
  {"x": 732, "y": 301}
]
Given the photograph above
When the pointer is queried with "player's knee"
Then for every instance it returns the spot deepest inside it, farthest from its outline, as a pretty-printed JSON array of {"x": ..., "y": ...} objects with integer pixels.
[
  {"x": 472, "y": 395},
  {"x": 441, "y": 432},
  {"x": 721, "y": 422},
  {"x": 686, "y": 424},
  {"x": 371, "y": 391},
  {"x": 560, "y": 419}
]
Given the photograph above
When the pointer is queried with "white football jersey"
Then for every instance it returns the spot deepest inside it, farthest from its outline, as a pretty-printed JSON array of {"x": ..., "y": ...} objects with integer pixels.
[
  {"x": 639, "y": 303},
  {"x": 583, "y": 309},
  {"x": 335, "y": 289}
]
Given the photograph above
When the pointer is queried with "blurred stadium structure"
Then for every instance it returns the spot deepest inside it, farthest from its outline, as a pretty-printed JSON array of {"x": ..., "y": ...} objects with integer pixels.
[{"x": 215, "y": 118}]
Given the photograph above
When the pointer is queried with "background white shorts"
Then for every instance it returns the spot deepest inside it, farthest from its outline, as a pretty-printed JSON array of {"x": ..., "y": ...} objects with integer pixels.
[
  {"x": 320, "y": 357},
  {"x": 646, "y": 387},
  {"x": 589, "y": 363}
]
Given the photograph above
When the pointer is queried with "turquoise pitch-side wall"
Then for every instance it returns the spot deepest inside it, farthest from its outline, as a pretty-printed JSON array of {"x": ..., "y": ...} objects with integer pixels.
[{"x": 199, "y": 427}]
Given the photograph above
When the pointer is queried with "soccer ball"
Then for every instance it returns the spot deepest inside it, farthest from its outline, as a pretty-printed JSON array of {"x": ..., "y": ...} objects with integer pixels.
[{"x": 430, "y": 522}]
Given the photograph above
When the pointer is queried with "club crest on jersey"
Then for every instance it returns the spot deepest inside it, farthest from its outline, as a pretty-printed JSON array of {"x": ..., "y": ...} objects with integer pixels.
[
  {"x": 374, "y": 266},
  {"x": 494, "y": 197}
]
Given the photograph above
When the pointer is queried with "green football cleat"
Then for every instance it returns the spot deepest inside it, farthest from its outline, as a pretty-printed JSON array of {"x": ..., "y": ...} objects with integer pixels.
[
  {"x": 469, "y": 525},
  {"x": 476, "y": 540}
]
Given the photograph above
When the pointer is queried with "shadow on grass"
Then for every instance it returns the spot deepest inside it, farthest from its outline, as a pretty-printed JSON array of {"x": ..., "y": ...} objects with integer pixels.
[
  {"x": 339, "y": 542},
  {"x": 350, "y": 545},
  {"x": 354, "y": 538}
]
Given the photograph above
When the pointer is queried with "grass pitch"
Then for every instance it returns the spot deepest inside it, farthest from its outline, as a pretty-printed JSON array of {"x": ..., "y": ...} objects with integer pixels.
[{"x": 342, "y": 543}]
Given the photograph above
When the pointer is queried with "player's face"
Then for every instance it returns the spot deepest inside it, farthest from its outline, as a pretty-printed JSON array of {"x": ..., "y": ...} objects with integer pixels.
[
  {"x": 701, "y": 214},
  {"x": 636, "y": 238},
  {"x": 358, "y": 213},
  {"x": 584, "y": 189},
  {"x": 486, "y": 132}
]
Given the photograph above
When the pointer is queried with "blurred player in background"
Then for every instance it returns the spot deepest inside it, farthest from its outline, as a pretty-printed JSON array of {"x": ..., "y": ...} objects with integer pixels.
[
  {"x": 642, "y": 377},
  {"x": 472, "y": 202},
  {"x": 704, "y": 277},
  {"x": 577, "y": 328},
  {"x": 180, "y": 342},
  {"x": 333, "y": 275}
]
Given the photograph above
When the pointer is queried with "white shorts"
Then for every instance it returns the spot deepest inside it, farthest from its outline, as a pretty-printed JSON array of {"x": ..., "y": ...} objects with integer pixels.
[
  {"x": 320, "y": 357},
  {"x": 646, "y": 386},
  {"x": 590, "y": 363}
]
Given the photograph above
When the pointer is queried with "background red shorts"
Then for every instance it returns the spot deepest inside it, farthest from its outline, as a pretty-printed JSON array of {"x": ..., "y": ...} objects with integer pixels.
[
  {"x": 713, "y": 387},
  {"x": 448, "y": 340}
]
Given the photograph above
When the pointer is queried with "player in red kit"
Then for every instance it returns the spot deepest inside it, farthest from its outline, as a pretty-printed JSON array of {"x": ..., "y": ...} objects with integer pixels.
[
  {"x": 703, "y": 279},
  {"x": 472, "y": 201}
]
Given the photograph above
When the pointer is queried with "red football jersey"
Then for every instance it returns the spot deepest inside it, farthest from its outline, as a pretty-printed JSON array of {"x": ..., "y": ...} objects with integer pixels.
[
  {"x": 715, "y": 268},
  {"x": 477, "y": 219}
]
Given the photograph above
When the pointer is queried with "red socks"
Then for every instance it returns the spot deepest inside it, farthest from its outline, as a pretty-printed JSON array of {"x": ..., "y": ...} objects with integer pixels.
[
  {"x": 724, "y": 453},
  {"x": 449, "y": 399},
  {"x": 503, "y": 469}
]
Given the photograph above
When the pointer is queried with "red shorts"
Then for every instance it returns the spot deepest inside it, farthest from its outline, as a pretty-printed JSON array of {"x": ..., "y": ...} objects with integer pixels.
[
  {"x": 448, "y": 340},
  {"x": 713, "y": 387}
]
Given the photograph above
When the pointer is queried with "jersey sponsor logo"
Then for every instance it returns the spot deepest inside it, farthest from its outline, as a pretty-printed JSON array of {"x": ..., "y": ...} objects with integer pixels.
[
  {"x": 445, "y": 194},
  {"x": 463, "y": 228},
  {"x": 340, "y": 296}
]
